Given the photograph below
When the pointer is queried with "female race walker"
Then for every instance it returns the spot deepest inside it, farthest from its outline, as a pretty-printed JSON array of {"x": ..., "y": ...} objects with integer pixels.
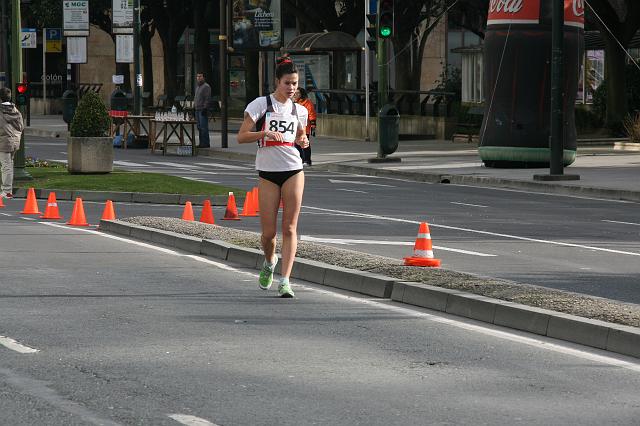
[{"x": 278, "y": 124}]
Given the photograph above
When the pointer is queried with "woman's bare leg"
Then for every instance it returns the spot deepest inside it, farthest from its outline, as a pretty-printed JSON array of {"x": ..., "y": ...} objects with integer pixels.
[
  {"x": 269, "y": 200},
  {"x": 291, "y": 191}
]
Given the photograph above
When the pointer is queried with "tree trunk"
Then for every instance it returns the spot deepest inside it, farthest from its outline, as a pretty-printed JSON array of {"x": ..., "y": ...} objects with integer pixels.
[
  {"x": 405, "y": 67},
  {"x": 146, "y": 35},
  {"x": 253, "y": 80},
  {"x": 616, "y": 79},
  {"x": 170, "y": 48},
  {"x": 202, "y": 53}
]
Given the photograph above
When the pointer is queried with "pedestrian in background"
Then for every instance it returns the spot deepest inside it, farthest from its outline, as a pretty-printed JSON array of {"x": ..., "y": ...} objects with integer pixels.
[
  {"x": 202, "y": 101},
  {"x": 11, "y": 127},
  {"x": 278, "y": 124},
  {"x": 301, "y": 97}
]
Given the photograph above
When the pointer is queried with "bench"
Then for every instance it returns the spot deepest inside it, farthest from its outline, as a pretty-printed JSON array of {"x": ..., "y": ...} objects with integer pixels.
[{"x": 470, "y": 128}]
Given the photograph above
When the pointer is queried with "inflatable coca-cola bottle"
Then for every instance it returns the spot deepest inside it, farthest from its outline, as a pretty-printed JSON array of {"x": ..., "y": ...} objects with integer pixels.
[{"x": 517, "y": 82}]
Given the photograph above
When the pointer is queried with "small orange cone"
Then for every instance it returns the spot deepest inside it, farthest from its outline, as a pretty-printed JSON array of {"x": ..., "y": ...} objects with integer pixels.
[
  {"x": 1, "y": 202},
  {"x": 422, "y": 250},
  {"x": 249, "y": 207},
  {"x": 256, "y": 199},
  {"x": 232, "y": 211},
  {"x": 108, "y": 213},
  {"x": 187, "y": 213},
  {"x": 207, "y": 213},
  {"x": 51, "y": 212},
  {"x": 77, "y": 217},
  {"x": 31, "y": 205}
]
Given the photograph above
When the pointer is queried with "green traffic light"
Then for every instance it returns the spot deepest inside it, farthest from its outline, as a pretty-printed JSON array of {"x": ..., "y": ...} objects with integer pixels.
[{"x": 385, "y": 31}]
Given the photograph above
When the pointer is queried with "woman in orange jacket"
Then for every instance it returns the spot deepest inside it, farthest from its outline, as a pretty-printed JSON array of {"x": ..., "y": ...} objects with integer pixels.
[{"x": 301, "y": 97}]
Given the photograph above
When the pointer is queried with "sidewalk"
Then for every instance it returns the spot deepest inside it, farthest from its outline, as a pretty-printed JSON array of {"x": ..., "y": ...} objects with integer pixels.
[{"x": 604, "y": 172}]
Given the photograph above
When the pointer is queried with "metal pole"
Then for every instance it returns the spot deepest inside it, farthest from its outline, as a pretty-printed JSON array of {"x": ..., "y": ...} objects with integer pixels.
[
  {"x": 137, "y": 95},
  {"x": 16, "y": 77},
  {"x": 557, "y": 132},
  {"x": 4, "y": 57},
  {"x": 367, "y": 77},
  {"x": 383, "y": 83},
  {"x": 44, "y": 71},
  {"x": 223, "y": 74}
]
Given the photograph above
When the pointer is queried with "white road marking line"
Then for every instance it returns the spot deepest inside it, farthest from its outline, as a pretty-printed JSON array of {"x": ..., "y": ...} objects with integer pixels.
[
  {"x": 5, "y": 214},
  {"x": 470, "y": 205},
  {"x": 347, "y": 242},
  {"x": 359, "y": 182},
  {"x": 223, "y": 166},
  {"x": 467, "y": 325},
  {"x": 179, "y": 165},
  {"x": 190, "y": 420},
  {"x": 9, "y": 343},
  {"x": 27, "y": 218},
  {"x": 542, "y": 193},
  {"x": 623, "y": 223},
  {"x": 351, "y": 190},
  {"x": 130, "y": 164},
  {"x": 475, "y": 231}
]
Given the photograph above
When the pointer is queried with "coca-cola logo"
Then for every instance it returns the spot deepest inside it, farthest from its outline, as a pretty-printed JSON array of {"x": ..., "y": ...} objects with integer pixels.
[
  {"x": 508, "y": 6},
  {"x": 578, "y": 7}
]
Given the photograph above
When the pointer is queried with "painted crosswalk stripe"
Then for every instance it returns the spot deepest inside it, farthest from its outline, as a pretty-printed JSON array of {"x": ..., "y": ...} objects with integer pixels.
[
  {"x": 130, "y": 164},
  {"x": 179, "y": 165},
  {"x": 10, "y": 343},
  {"x": 470, "y": 205},
  {"x": 223, "y": 166},
  {"x": 186, "y": 419}
]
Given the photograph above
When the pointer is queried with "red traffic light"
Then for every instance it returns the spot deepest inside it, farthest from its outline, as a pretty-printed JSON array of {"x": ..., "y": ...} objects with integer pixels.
[{"x": 22, "y": 88}]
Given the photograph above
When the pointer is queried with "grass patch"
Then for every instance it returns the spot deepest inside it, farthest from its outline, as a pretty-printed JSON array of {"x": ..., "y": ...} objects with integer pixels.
[{"x": 121, "y": 181}]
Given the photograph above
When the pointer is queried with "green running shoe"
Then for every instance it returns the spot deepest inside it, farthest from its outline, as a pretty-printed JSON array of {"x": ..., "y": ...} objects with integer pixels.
[
  {"x": 266, "y": 274},
  {"x": 284, "y": 289}
]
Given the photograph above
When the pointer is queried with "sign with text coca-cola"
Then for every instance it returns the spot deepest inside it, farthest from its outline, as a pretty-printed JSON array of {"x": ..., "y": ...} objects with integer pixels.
[
  {"x": 574, "y": 13},
  {"x": 513, "y": 12}
]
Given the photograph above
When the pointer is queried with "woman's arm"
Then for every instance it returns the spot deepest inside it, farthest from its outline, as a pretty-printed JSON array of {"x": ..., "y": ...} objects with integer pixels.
[{"x": 247, "y": 135}]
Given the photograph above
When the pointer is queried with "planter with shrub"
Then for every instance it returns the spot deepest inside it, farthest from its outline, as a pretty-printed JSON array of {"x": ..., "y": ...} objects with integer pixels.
[{"x": 89, "y": 148}]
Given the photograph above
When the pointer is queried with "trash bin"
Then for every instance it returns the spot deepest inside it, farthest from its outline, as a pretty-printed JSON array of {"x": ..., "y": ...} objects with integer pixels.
[
  {"x": 389, "y": 128},
  {"x": 119, "y": 100},
  {"x": 69, "y": 104}
]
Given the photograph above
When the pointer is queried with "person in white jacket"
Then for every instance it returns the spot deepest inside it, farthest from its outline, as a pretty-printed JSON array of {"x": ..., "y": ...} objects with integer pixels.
[{"x": 11, "y": 127}]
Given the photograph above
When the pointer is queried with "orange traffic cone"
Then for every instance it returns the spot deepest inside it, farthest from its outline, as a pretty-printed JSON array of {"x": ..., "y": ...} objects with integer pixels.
[
  {"x": 108, "y": 213},
  {"x": 1, "y": 202},
  {"x": 232, "y": 211},
  {"x": 31, "y": 205},
  {"x": 51, "y": 212},
  {"x": 422, "y": 250},
  {"x": 207, "y": 213},
  {"x": 187, "y": 213},
  {"x": 256, "y": 199},
  {"x": 249, "y": 207},
  {"x": 77, "y": 217}
]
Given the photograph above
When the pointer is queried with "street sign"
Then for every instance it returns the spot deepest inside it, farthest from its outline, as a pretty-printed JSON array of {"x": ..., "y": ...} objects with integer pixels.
[
  {"x": 124, "y": 49},
  {"x": 122, "y": 21},
  {"x": 76, "y": 50},
  {"x": 76, "y": 18},
  {"x": 53, "y": 40},
  {"x": 28, "y": 38}
]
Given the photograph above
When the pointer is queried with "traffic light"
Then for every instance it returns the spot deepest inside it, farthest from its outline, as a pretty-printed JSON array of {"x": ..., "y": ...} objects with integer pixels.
[
  {"x": 385, "y": 21},
  {"x": 372, "y": 31},
  {"x": 22, "y": 94}
]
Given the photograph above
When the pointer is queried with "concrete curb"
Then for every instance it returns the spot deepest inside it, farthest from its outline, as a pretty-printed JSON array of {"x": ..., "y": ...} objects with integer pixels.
[
  {"x": 598, "y": 334},
  {"x": 30, "y": 131},
  {"x": 129, "y": 197},
  {"x": 490, "y": 182}
]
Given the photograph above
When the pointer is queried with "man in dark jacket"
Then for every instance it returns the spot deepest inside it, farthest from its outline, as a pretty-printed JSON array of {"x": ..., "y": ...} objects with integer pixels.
[
  {"x": 11, "y": 127},
  {"x": 201, "y": 101}
]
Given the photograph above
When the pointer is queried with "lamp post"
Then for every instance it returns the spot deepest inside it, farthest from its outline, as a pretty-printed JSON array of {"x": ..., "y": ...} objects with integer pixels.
[
  {"x": 222, "y": 38},
  {"x": 137, "y": 94}
]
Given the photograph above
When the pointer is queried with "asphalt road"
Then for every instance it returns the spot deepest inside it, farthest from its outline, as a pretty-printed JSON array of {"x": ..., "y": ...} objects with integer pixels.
[
  {"x": 128, "y": 333},
  {"x": 577, "y": 244}
]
